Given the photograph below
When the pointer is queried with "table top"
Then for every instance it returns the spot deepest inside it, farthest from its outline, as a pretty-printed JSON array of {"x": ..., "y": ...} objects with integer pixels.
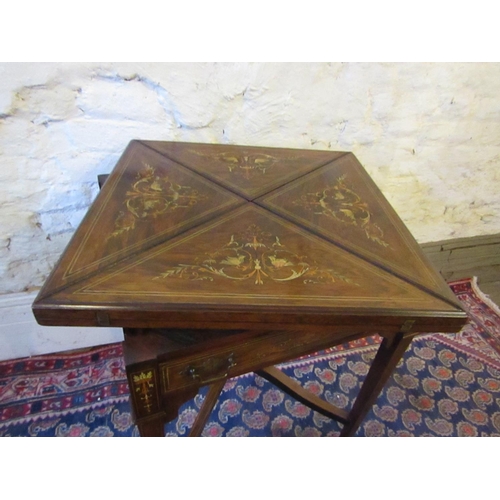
[{"x": 188, "y": 235}]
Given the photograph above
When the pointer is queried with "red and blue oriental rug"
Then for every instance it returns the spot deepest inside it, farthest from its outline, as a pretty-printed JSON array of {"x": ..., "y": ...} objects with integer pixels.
[{"x": 446, "y": 385}]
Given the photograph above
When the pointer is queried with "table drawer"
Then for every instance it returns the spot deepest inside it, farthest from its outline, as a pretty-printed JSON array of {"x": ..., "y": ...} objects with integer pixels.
[
  {"x": 197, "y": 371},
  {"x": 242, "y": 356}
]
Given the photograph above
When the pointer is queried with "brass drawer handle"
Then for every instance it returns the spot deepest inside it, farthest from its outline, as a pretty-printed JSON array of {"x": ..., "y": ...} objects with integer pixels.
[{"x": 211, "y": 370}]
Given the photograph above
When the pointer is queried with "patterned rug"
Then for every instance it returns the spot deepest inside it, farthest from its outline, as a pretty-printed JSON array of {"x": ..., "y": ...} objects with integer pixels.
[{"x": 446, "y": 385}]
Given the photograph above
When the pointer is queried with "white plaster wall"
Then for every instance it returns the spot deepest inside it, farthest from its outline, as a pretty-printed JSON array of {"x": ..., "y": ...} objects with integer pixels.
[{"x": 429, "y": 134}]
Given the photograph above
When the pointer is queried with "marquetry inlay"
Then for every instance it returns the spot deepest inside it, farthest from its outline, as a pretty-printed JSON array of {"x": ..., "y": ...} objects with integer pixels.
[
  {"x": 258, "y": 256},
  {"x": 152, "y": 195},
  {"x": 340, "y": 202}
]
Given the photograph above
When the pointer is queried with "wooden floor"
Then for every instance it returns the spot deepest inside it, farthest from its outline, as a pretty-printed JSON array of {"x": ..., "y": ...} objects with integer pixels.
[{"x": 468, "y": 257}]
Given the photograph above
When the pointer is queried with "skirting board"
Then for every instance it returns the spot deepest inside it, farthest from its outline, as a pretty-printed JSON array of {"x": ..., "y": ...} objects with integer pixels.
[
  {"x": 21, "y": 336},
  {"x": 466, "y": 257},
  {"x": 460, "y": 255}
]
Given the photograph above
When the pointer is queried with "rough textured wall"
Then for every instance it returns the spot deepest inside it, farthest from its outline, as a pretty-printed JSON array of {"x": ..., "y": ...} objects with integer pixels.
[{"x": 429, "y": 134}]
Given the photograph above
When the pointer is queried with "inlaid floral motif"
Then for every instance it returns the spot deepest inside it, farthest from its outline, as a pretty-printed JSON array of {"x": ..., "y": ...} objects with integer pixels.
[
  {"x": 144, "y": 386},
  {"x": 255, "y": 255},
  {"x": 341, "y": 203},
  {"x": 152, "y": 195}
]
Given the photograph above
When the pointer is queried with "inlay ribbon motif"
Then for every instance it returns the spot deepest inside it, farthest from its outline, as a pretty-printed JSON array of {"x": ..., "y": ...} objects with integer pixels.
[
  {"x": 246, "y": 164},
  {"x": 258, "y": 256},
  {"x": 152, "y": 195},
  {"x": 341, "y": 203}
]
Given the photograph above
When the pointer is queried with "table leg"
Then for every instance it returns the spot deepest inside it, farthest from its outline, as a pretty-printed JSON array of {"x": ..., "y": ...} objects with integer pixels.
[
  {"x": 154, "y": 427},
  {"x": 389, "y": 353}
]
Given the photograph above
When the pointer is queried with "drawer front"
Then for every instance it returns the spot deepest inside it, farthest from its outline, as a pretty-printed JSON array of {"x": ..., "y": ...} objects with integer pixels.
[
  {"x": 198, "y": 371},
  {"x": 242, "y": 356}
]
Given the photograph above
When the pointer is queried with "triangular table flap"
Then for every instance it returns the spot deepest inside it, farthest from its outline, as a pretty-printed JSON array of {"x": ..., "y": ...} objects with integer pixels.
[
  {"x": 247, "y": 170},
  {"x": 342, "y": 204},
  {"x": 146, "y": 199},
  {"x": 252, "y": 258}
]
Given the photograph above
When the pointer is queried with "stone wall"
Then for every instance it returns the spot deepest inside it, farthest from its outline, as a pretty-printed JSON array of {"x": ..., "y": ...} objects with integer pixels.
[{"x": 429, "y": 134}]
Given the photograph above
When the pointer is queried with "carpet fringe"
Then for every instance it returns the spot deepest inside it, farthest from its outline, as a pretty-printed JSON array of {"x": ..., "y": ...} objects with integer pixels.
[{"x": 485, "y": 298}]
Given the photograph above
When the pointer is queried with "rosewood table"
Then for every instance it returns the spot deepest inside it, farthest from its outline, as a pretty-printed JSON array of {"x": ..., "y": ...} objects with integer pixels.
[{"x": 219, "y": 260}]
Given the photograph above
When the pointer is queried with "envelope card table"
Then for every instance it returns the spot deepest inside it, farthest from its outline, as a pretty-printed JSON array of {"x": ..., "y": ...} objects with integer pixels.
[{"x": 219, "y": 260}]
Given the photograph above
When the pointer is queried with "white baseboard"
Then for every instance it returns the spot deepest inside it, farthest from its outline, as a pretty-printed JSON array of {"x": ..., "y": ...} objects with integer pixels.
[{"x": 21, "y": 336}]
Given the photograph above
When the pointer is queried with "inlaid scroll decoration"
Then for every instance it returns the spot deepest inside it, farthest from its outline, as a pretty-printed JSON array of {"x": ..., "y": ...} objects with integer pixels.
[
  {"x": 341, "y": 203},
  {"x": 247, "y": 165},
  {"x": 257, "y": 256},
  {"x": 152, "y": 195},
  {"x": 144, "y": 387}
]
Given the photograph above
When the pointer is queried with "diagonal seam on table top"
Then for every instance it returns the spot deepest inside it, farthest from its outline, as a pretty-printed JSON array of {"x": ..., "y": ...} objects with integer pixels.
[
  {"x": 405, "y": 236},
  {"x": 296, "y": 180},
  {"x": 154, "y": 145},
  {"x": 115, "y": 263},
  {"x": 105, "y": 194}
]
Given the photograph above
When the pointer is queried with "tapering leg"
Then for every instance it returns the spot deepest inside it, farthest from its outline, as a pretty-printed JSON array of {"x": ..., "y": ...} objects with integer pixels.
[{"x": 388, "y": 356}]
